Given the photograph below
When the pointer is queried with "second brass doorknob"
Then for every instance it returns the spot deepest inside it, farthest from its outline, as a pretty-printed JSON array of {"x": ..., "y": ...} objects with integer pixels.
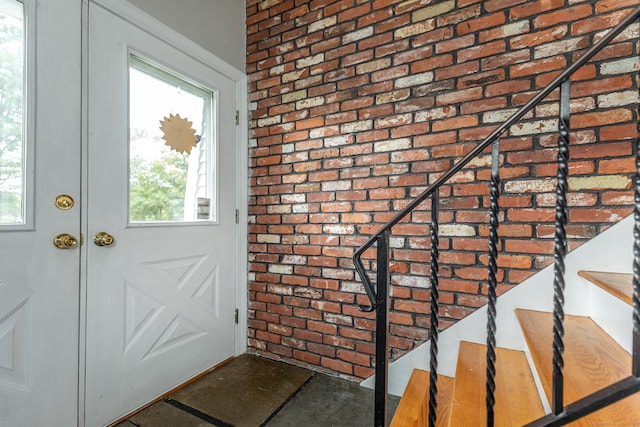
[{"x": 103, "y": 239}]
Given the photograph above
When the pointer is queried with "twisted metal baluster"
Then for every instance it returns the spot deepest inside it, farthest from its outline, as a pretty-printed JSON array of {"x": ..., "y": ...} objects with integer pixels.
[
  {"x": 636, "y": 268},
  {"x": 491, "y": 291},
  {"x": 433, "y": 327},
  {"x": 560, "y": 251}
]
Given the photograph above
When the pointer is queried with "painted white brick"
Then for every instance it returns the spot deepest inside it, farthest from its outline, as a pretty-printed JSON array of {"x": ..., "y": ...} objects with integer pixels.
[
  {"x": 435, "y": 114},
  {"x": 433, "y": 11},
  {"x": 396, "y": 242},
  {"x": 415, "y": 79},
  {"x": 456, "y": 230},
  {"x": 551, "y": 49},
  {"x": 268, "y": 121},
  {"x": 322, "y": 24},
  {"x": 356, "y": 126},
  {"x": 360, "y": 34},
  {"x": 294, "y": 259},
  {"x": 268, "y": 238},
  {"x": 303, "y": 208},
  {"x": 293, "y": 198},
  {"x": 294, "y": 96},
  {"x": 309, "y": 102},
  {"x": 288, "y": 148},
  {"x": 336, "y": 185},
  {"x": 481, "y": 161},
  {"x": 516, "y": 28},
  {"x": 292, "y": 76},
  {"x": 337, "y": 141},
  {"x": 608, "y": 182},
  {"x": 530, "y": 186},
  {"x": 618, "y": 98},
  {"x": 338, "y": 229},
  {"x": 352, "y": 287},
  {"x": 392, "y": 121},
  {"x": 279, "y": 209},
  {"x": 532, "y": 128},
  {"x": 621, "y": 66},
  {"x": 310, "y": 60},
  {"x": 498, "y": 116},
  {"x": 410, "y": 281},
  {"x": 415, "y": 29},
  {"x": 278, "y": 69},
  {"x": 396, "y": 95},
  {"x": 392, "y": 145}
]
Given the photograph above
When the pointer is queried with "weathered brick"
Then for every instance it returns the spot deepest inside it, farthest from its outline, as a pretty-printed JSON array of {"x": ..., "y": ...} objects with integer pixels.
[
  {"x": 569, "y": 14},
  {"x": 534, "y": 8},
  {"x": 415, "y": 29},
  {"x": 539, "y": 37},
  {"x": 433, "y": 11},
  {"x": 599, "y": 182},
  {"x": 621, "y": 66},
  {"x": 488, "y": 21},
  {"x": 460, "y": 15},
  {"x": 508, "y": 30},
  {"x": 356, "y": 106},
  {"x": 553, "y": 48}
]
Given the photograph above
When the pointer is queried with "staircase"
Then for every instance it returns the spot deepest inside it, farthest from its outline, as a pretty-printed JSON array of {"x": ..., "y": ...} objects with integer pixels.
[
  {"x": 593, "y": 360},
  {"x": 573, "y": 369}
]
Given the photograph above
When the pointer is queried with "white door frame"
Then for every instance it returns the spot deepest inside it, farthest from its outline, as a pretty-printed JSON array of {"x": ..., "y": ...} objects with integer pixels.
[{"x": 142, "y": 20}]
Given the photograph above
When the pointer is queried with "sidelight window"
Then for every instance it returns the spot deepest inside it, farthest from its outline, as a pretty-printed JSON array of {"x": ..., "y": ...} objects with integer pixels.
[{"x": 13, "y": 147}]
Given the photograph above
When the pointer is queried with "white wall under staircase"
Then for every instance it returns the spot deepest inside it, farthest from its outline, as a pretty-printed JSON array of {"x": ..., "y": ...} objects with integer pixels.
[{"x": 611, "y": 250}]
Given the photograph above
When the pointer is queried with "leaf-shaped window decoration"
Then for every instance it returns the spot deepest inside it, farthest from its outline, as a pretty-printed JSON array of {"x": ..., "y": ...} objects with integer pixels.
[{"x": 179, "y": 134}]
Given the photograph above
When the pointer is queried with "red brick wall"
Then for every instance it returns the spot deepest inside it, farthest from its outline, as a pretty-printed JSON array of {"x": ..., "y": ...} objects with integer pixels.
[{"x": 357, "y": 105}]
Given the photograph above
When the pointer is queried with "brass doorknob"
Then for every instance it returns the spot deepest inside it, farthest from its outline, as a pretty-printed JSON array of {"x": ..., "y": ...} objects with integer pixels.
[
  {"x": 103, "y": 239},
  {"x": 65, "y": 241}
]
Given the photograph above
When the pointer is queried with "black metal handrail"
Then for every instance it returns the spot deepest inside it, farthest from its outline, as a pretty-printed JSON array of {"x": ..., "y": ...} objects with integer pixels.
[{"x": 378, "y": 297}]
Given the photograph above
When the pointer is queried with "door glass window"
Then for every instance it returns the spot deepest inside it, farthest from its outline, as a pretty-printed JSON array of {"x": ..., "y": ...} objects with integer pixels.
[
  {"x": 12, "y": 142},
  {"x": 171, "y": 147}
]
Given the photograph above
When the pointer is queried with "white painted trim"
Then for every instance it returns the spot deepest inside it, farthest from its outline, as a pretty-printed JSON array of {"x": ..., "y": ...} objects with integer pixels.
[
  {"x": 149, "y": 24},
  {"x": 84, "y": 179},
  {"x": 242, "y": 183}
]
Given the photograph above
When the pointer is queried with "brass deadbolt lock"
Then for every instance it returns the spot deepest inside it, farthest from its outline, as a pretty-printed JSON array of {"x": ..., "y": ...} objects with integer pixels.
[{"x": 64, "y": 202}]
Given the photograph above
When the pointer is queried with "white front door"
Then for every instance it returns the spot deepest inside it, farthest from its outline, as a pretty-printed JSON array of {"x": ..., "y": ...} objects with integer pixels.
[
  {"x": 161, "y": 179},
  {"x": 39, "y": 161}
]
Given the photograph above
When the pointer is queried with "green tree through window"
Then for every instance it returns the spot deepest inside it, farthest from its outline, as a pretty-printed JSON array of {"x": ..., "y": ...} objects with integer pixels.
[{"x": 158, "y": 188}]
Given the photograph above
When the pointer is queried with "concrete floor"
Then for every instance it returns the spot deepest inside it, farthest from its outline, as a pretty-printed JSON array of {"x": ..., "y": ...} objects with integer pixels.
[{"x": 251, "y": 391}]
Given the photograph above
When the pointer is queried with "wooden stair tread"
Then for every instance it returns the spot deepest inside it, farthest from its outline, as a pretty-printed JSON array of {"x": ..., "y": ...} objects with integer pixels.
[
  {"x": 413, "y": 409},
  {"x": 517, "y": 399},
  {"x": 617, "y": 284},
  {"x": 592, "y": 361}
]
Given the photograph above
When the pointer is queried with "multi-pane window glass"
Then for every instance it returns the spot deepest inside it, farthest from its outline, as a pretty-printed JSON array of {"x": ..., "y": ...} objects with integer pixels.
[
  {"x": 12, "y": 144},
  {"x": 170, "y": 147}
]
